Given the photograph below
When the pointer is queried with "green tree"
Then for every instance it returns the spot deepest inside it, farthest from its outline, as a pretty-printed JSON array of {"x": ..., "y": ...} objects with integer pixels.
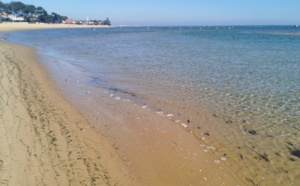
[
  {"x": 56, "y": 18},
  {"x": 64, "y": 18},
  {"x": 2, "y": 7},
  {"x": 45, "y": 18},
  {"x": 107, "y": 22},
  {"x": 40, "y": 11},
  {"x": 17, "y": 7},
  {"x": 42, "y": 15},
  {"x": 30, "y": 10}
]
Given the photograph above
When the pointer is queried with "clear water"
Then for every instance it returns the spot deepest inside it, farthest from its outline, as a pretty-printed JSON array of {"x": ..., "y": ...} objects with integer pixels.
[{"x": 246, "y": 78}]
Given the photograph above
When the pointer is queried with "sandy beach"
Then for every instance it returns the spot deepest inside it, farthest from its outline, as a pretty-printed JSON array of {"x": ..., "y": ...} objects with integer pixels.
[
  {"x": 46, "y": 140},
  {"x": 8, "y": 27}
]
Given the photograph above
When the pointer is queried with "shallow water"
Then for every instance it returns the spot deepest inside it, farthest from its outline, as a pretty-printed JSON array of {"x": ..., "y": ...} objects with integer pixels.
[{"x": 244, "y": 80}]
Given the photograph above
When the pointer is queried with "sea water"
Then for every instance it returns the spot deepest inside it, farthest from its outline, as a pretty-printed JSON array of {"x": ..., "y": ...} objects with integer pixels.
[{"x": 244, "y": 78}]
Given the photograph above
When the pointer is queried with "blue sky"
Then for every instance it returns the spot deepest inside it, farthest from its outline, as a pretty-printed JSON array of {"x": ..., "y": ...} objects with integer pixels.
[{"x": 178, "y": 12}]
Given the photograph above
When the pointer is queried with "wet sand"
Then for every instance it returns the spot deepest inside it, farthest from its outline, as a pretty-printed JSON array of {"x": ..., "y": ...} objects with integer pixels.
[{"x": 45, "y": 140}]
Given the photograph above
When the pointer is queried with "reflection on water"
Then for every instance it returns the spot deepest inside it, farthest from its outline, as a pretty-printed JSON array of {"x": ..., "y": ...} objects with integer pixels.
[{"x": 247, "y": 79}]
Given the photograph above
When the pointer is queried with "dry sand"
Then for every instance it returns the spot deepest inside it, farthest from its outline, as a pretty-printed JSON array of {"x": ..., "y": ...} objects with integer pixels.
[
  {"x": 44, "y": 140},
  {"x": 7, "y": 27}
]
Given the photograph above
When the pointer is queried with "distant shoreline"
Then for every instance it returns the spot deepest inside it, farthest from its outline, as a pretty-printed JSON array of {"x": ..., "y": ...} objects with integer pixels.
[{"x": 8, "y": 27}]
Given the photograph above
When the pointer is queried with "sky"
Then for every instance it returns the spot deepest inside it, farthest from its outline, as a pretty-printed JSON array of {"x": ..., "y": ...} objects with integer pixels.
[{"x": 177, "y": 12}]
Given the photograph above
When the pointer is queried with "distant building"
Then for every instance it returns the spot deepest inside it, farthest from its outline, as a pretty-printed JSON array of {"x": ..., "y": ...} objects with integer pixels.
[
  {"x": 68, "y": 21},
  {"x": 16, "y": 18},
  {"x": 33, "y": 19},
  {"x": 83, "y": 22},
  {"x": 4, "y": 15},
  {"x": 11, "y": 17}
]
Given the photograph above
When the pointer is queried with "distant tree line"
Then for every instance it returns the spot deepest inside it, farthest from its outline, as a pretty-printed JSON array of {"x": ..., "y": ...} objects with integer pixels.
[
  {"x": 107, "y": 22},
  {"x": 30, "y": 13}
]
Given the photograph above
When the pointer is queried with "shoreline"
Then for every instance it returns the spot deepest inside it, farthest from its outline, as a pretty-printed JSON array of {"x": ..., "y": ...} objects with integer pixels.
[
  {"x": 9, "y": 27},
  {"x": 150, "y": 149},
  {"x": 46, "y": 141}
]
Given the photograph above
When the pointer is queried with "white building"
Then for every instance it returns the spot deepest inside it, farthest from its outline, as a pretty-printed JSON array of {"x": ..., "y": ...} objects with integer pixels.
[
  {"x": 11, "y": 17},
  {"x": 16, "y": 18},
  {"x": 4, "y": 15}
]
